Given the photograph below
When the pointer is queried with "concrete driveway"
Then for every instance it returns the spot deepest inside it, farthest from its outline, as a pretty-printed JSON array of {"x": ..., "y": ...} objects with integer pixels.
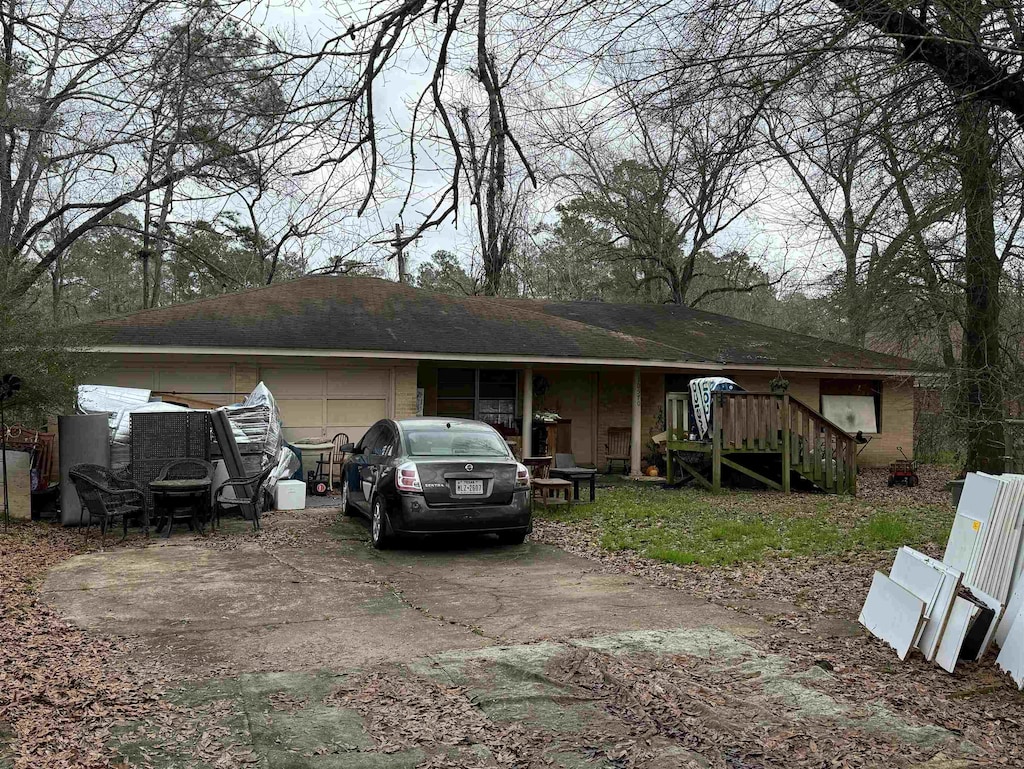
[
  {"x": 325, "y": 599},
  {"x": 310, "y": 649}
]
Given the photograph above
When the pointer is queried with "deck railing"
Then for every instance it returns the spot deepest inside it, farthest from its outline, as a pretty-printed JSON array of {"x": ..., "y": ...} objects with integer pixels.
[{"x": 763, "y": 422}]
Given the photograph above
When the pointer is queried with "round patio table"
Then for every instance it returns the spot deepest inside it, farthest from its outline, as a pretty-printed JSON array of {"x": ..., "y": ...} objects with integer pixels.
[{"x": 171, "y": 497}]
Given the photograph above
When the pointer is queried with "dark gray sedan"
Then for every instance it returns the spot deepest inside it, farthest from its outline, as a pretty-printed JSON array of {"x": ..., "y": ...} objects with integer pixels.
[{"x": 432, "y": 475}]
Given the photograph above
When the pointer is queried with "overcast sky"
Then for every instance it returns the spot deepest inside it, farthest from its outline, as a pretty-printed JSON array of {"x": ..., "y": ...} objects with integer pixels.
[{"x": 766, "y": 232}]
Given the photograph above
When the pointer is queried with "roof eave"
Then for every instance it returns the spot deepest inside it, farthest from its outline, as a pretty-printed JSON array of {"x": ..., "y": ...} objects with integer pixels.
[{"x": 700, "y": 365}]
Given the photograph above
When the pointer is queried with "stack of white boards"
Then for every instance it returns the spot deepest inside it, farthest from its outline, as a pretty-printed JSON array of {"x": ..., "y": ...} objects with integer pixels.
[
  {"x": 923, "y": 603},
  {"x": 985, "y": 542}
]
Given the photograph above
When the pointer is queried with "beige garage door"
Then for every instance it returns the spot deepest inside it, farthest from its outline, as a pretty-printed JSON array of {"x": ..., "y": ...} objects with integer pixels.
[
  {"x": 210, "y": 384},
  {"x": 321, "y": 402}
]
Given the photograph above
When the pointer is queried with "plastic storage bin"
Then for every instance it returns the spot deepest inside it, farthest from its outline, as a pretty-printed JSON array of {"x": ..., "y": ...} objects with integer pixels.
[{"x": 289, "y": 495}]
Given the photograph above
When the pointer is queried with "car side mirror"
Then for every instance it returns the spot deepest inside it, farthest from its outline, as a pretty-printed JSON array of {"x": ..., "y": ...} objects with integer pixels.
[{"x": 347, "y": 448}]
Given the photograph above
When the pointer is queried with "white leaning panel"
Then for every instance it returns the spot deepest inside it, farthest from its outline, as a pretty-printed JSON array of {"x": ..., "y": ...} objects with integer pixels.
[
  {"x": 892, "y": 613},
  {"x": 1011, "y": 656},
  {"x": 956, "y": 631},
  {"x": 995, "y": 560},
  {"x": 976, "y": 505},
  {"x": 997, "y": 609},
  {"x": 935, "y": 626},
  {"x": 1014, "y": 605}
]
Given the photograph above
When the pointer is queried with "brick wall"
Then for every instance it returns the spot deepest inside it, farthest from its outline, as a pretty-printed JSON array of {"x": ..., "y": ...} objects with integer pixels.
[
  {"x": 614, "y": 407},
  {"x": 897, "y": 425},
  {"x": 405, "y": 391}
]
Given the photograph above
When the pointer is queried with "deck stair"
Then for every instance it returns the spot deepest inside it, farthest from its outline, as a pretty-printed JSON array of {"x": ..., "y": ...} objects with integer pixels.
[{"x": 745, "y": 424}]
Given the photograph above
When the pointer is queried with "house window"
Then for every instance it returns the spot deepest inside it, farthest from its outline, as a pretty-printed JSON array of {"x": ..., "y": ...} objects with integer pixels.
[
  {"x": 853, "y": 404},
  {"x": 456, "y": 393},
  {"x": 497, "y": 397},
  {"x": 485, "y": 394}
]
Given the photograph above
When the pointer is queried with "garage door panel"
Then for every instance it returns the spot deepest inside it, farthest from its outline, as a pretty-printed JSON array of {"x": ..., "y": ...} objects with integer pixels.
[
  {"x": 354, "y": 432},
  {"x": 301, "y": 413},
  {"x": 293, "y": 382},
  {"x": 142, "y": 378},
  {"x": 305, "y": 435},
  {"x": 356, "y": 411},
  {"x": 356, "y": 382},
  {"x": 195, "y": 381}
]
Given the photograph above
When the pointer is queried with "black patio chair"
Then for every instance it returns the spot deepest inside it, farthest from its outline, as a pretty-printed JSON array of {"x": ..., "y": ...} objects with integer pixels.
[
  {"x": 195, "y": 499},
  {"x": 108, "y": 496},
  {"x": 249, "y": 499},
  {"x": 566, "y": 468}
]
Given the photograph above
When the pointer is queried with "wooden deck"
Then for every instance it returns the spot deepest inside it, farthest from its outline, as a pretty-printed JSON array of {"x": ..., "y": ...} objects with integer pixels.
[{"x": 761, "y": 423}]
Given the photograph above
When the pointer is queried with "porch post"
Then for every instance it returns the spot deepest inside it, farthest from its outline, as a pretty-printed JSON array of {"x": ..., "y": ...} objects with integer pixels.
[
  {"x": 527, "y": 412},
  {"x": 634, "y": 443}
]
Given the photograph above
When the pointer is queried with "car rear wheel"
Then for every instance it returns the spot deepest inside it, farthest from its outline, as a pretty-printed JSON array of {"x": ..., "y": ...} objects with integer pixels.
[
  {"x": 512, "y": 537},
  {"x": 378, "y": 525}
]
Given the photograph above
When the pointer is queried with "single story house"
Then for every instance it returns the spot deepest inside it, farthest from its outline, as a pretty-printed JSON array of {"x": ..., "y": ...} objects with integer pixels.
[{"x": 341, "y": 352}]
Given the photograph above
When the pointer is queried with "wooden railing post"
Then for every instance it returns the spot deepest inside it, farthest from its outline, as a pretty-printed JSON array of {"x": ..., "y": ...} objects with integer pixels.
[
  {"x": 716, "y": 443},
  {"x": 784, "y": 418}
]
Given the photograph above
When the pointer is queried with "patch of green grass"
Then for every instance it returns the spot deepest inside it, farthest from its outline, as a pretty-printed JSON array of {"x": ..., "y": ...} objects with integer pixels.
[{"x": 690, "y": 526}]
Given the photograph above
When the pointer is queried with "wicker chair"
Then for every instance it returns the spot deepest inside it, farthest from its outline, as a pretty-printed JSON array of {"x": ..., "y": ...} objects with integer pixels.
[
  {"x": 108, "y": 496},
  {"x": 196, "y": 502},
  {"x": 249, "y": 499}
]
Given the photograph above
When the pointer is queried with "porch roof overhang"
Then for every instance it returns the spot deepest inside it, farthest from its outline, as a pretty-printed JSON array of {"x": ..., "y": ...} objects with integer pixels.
[{"x": 510, "y": 360}]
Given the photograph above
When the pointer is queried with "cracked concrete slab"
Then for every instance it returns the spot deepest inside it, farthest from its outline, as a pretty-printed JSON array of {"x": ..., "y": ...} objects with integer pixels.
[{"x": 342, "y": 604}]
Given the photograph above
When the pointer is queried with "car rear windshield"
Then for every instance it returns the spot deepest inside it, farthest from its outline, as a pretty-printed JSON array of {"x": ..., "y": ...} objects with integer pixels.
[{"x": 455, "y": 442}]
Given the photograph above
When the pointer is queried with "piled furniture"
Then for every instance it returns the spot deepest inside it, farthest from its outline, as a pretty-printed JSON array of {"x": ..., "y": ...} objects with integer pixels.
[
  {"x": 108, "y": 496},
  {"x": 40, "y": 446},
  {"x": 158, "y": 437}
]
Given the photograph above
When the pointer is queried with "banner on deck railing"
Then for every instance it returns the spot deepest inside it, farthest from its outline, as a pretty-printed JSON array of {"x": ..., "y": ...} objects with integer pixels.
[{"x": 700, "y": 396}]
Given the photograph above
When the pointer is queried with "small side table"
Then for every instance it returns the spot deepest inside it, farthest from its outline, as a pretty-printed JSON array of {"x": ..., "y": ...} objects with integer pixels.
[{"x": 550, "y": 491}]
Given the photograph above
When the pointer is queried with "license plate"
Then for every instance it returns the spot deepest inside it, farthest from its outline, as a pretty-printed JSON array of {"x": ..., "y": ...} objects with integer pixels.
[{"x": 469, "y": 487}]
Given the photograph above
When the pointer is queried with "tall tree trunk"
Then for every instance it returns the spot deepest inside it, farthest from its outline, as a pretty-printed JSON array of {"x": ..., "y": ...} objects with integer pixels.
[
  {"x": 981, "y": 381},
  {"x": 851, "y": 290},
  {"x": 160, "y": 244},
  {"x": 495, "y": 198},
  {"x": 56, "y": 286}
]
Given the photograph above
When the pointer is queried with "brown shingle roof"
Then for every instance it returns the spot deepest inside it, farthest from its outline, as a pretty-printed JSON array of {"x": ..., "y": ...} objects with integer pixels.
[{"x": 358, "y": 313}]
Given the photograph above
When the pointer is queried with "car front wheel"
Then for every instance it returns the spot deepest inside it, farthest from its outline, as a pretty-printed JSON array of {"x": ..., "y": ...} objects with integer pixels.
[
  {"x": 346, "y": 503},
  {"x": 378, "y": 525},
  {"x": 512, "y": 537}
]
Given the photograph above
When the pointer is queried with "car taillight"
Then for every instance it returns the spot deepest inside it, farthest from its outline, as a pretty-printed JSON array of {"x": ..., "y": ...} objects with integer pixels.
[
  {"x": 522, "y": 476},
  {"x": 408, "y": 478}
]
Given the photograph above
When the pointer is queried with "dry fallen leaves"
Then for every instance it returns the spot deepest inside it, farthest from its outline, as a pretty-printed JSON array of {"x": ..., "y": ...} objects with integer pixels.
[
  {"x": 811, "y": 606},
  {"x": 65, "y": 692}
]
